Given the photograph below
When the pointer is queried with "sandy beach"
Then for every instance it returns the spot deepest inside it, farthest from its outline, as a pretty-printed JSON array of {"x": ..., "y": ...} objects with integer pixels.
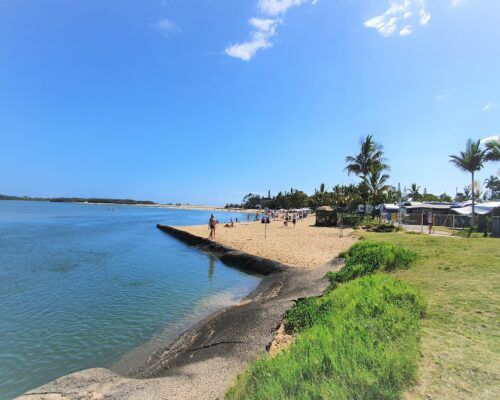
[{"x": 304, "y": 245}]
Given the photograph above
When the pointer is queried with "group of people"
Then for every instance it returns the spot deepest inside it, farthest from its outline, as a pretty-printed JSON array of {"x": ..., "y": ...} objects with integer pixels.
[
  {"x": 292, "y": 218},
  {"x": 287, "y": 217}
]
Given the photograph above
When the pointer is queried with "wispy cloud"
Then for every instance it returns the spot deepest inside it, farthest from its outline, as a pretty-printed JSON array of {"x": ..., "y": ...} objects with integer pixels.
[
  {"x": 263, "y": 29},
  {"x": 165, "y": 27},
  {"x": 456, "y": 3},
  {"x": 278, "y": 7},
  {"x": 407, "y": 30},
  {"x": 400, "y": 17},
  {"x": 490, "y": 106}
]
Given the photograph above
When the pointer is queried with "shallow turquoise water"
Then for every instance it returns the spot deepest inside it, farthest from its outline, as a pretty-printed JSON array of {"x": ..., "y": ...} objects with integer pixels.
[{"x": 81, "y": 285}]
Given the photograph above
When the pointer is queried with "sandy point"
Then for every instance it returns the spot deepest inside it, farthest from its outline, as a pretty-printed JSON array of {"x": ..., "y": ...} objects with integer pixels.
[{"x": 304, "y": 245}]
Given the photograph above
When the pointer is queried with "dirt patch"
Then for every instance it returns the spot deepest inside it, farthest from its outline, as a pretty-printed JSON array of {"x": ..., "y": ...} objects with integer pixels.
[{"x": 281, "y": 341}]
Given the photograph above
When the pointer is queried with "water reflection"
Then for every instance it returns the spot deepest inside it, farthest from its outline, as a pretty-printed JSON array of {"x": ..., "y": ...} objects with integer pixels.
[{"x": 211, "y": 267}]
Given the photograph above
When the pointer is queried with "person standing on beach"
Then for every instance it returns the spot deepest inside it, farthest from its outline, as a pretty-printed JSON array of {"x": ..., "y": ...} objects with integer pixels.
[
  {"x": 212, "y": 223},
  {"x": 430, "y": 221},
  {"x": 294, "y": 220}
]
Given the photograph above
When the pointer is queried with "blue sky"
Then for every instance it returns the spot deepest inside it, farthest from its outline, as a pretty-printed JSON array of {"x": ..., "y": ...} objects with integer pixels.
[{"x": 203, "y": 101}]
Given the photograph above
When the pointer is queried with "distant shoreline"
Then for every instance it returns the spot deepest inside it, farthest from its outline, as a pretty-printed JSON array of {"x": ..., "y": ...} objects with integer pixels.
[
  {"x": 91, "y": 200},
  {"x": 128, "y": 202}
]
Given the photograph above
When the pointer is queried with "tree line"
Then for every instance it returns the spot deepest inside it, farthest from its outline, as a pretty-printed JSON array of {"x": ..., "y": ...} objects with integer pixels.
[{"x": 372, "y": 169}]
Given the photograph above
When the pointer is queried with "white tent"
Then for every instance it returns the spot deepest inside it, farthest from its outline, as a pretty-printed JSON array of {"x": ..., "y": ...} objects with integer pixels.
[
  {"x": 389, "y": 208},
  {"x": 479, "y": 208}
]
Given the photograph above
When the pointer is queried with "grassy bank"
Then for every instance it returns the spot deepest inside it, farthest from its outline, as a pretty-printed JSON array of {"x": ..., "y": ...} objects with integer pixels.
[
  {"x": 358, "y": 341},
  {"x": 341, "y": 351},
  {"x": 460, "y": 278},
  {"x": 362, "y": 347}
]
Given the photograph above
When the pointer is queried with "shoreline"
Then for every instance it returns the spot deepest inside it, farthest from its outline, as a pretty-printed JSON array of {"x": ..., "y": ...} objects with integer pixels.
[
  {"x": 136, "y": 357},
  {"x": 187, "y": 207},
  {"x": 205, "y": 359}
]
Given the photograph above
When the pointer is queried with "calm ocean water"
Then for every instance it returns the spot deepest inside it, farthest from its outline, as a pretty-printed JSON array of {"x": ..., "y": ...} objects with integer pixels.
[{"x": 82, "y": 285}]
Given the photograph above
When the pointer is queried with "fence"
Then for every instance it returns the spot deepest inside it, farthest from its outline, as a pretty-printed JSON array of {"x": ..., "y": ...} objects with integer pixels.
[
  {"x": 495, "y": 227},
  {"x": 482, "y": 223},
  {"x": 452, "y": 221}
]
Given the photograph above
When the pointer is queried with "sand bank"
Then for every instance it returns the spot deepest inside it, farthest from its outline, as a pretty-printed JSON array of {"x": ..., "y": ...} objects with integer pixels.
[{"x": 304, "y": 245}]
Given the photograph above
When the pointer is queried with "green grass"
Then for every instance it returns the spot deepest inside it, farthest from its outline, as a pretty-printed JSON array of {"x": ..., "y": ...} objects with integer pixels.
[
  {"x": 336, "y": 356},
  {"x": 365, "y": 257},
  {"x": 460, "y": 279},
  {"x": 363, "y": 344}
]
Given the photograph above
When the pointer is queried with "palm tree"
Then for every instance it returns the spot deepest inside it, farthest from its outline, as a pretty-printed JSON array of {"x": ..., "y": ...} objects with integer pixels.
[
  {"x": 471, "y": 160},
  {"x": 493, "y": 184},
  {"x": 320, "y": 196},
  {"x": 414, "y": 193},
  {"x": 370, "y": 154},
  {"x": 376, "y": 181},
  {"x": 493, "y": 148},
  {"x": 345, "y": 196},
  {"x": 467, "y": 192}
]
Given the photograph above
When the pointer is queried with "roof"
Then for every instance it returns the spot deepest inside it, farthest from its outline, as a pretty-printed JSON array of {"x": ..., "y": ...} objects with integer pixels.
[
  {"x": 468, "y": 210},
  {"x": 429, "y": 206},
  {"x": 390, "y": 207},
  {"x": 324, "y": 208},
  {"x": 479, "y": 208}
]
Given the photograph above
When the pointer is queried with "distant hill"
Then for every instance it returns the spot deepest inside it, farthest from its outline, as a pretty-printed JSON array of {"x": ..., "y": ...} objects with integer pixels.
[{"x": 76, "y": 200}]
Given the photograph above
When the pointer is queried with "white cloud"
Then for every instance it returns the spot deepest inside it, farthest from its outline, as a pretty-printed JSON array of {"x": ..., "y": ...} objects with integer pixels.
[
  {"x": 490, "y": 106},
  {"x": 277, "y": 7},
  {"x": 388, "y": 22},
  {"x": 425, "y": 17},
  {"x": 263, "y": 28},
  {"x": 456, "y": 3},
  {"x": 406, "y": 31},
  {"x": 165, "y": 27},
  {"x": 264, "y": 25}
]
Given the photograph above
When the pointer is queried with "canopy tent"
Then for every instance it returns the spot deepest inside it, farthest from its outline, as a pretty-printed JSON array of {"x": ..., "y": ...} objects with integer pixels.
[
  {"x": 479, "y": 208},
  {"x": 326, "y": 216},
  {"x": 468, "y": 210},
  {"x": 389, "y": 208}
]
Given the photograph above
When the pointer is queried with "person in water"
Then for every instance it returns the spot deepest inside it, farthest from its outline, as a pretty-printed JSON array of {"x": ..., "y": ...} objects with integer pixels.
[{"x": 212, "y": 223}]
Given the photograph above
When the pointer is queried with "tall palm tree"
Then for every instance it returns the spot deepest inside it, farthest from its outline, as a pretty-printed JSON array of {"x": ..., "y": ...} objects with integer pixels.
[
  {"x": 370, "y": 154},
  {"x": 376, "y": 181},
  {"x": 471, "y": 160},
  {"x": 414, "y": 193}
]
